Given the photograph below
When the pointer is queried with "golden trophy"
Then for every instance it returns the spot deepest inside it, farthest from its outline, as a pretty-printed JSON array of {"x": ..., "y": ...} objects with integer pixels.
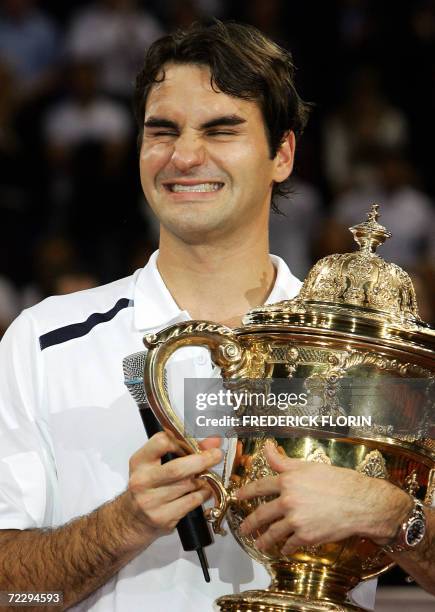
[{"x": 356, "y": 317}]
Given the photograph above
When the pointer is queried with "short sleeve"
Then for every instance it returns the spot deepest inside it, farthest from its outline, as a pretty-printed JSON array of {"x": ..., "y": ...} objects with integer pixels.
[{"x": 27, "y": 474}]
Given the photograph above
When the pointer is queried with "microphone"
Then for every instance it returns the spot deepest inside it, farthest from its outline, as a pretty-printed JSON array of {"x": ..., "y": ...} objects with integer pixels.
[{"x": 193, "y": 529}]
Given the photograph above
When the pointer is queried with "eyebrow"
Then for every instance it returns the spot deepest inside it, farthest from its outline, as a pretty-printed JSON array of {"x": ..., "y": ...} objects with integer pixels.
[
  {"x": 160, "y": 122},
  {"x": 223, "y": 120}
]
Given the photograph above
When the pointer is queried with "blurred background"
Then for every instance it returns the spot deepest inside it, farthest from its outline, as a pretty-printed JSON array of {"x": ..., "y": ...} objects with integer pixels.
[{"x": 72, "y": 214}]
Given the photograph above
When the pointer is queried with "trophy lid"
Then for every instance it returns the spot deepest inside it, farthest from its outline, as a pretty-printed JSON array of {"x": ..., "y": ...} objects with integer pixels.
[
  {"x": 362, "y": 278},
  {"x": 351, "y": 292}
]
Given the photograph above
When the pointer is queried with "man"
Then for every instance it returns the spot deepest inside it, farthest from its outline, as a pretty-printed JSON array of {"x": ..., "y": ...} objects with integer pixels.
[
  {"x": 74, "y": 516},
  {"x": 220, "y": 114}
]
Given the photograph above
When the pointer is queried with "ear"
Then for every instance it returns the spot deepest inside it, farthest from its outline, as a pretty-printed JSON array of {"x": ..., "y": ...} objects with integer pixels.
[{"x": 284, "y": 158}]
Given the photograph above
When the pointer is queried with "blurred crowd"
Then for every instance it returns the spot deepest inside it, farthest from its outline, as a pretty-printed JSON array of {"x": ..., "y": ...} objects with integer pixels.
[{"x": 72, "y": 212}]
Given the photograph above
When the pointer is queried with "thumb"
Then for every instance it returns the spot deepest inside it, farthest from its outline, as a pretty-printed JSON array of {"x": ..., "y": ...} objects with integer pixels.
[
  {"x": 211, "y": 442},
  {"x": 277, "y": 461}
]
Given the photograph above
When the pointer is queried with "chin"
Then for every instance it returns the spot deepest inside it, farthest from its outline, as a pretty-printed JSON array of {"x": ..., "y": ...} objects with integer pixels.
[
  {"x": 195, "y": 235},
  {"x": 196, "y": 231}
]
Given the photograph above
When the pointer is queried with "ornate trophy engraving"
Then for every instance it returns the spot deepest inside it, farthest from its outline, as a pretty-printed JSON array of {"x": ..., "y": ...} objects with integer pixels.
[{"x": 356, "y": 316}]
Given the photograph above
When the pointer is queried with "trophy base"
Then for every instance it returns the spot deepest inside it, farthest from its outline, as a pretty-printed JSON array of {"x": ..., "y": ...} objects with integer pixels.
[{"x": 276, "y": 601}]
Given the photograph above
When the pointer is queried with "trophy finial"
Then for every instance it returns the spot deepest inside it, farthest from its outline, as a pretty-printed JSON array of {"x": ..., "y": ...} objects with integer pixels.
[
  {"x": 370, "y": 234},
  {"x": 374, "y": 214}
]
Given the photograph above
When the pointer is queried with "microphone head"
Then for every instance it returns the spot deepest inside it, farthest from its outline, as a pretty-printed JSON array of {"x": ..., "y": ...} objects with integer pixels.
[{"x": 133, "y": 367}]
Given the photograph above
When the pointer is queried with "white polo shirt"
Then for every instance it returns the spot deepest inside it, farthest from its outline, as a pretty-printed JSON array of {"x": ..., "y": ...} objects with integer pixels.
[{"x": 68, "y": 427}]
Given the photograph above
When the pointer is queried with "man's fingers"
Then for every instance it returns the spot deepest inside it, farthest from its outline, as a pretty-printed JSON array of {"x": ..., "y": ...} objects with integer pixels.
[
  {"x": 278, "y": 462},
  {"x": 211, "y": 442},
  {"x": 153, "y": 497},
  {"x": 277, "y": 531},
  {"x": 183, "y": 467},
  {"x": 157, "y": 446},
  {"x": 263, "y": 515},
  {"x": 292, "y": 544},
  {"x": 266, "y": 486},
  {"x": 178, "y": 508}
]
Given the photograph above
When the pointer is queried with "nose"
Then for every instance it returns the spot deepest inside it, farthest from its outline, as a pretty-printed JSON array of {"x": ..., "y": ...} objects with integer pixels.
[{"x": 188, "y": 153}]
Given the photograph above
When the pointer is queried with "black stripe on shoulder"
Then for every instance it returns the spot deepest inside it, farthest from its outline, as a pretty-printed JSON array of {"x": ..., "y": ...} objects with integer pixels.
[{"x": 76, "y": 330}]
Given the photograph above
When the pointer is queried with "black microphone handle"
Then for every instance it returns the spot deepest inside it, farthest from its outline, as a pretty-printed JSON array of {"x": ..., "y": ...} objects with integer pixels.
[{"x": 193, "y": 529}]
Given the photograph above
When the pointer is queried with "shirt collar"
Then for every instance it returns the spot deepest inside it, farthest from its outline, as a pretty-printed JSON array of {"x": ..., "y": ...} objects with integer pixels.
[{"x": 155, "y": 308}]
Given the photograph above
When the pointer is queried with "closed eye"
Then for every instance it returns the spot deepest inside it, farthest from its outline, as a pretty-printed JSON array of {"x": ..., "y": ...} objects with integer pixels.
[
  {"x": 222, "y": 133},
  {"x": 161, "y": 133}
]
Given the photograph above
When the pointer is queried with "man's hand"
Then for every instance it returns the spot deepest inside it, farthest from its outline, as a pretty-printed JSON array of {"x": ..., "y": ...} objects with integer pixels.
[
  {"x": 84, "y": 553},
  {"x": 162, "y": 494},
  {"x": 319, "y": 503}
]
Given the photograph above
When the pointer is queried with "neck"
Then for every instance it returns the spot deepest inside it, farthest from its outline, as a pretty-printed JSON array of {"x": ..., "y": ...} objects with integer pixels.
[{"x": 217, "y": 282}]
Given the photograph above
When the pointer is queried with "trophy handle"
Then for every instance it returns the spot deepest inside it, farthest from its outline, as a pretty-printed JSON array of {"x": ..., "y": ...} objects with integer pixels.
[{"x": 226, "y": 352}]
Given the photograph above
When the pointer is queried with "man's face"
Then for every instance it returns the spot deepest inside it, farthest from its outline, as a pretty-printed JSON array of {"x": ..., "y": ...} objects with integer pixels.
[{"x": 205, "y": 164}]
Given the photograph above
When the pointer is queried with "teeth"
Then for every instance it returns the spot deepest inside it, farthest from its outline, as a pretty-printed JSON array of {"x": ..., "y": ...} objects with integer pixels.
[{"x": 201, "y": 187}]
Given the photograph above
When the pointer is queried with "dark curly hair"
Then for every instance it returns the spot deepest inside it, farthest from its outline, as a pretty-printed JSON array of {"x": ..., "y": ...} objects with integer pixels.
[{"x": 243, "y": 63}]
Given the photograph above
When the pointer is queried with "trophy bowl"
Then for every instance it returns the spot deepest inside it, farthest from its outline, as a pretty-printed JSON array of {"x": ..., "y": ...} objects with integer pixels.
[{"x": 354, "y": 325}]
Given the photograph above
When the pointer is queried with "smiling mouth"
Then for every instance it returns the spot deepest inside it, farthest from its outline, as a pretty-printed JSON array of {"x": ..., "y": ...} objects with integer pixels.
[{"x": 196, "y": 188}]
